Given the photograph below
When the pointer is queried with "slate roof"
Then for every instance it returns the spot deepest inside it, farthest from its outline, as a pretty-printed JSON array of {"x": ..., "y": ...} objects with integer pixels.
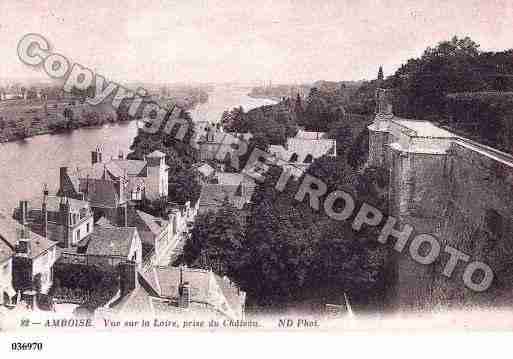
[
  {"x": 136, "y": 302},
  {"x": 158, "y": 293},
  {"x": 216, "y": 195},
  {"x": 53, "y": 202},
  {"x": 206, "y": 287},
  {"x": 204, "y": 168},
  {"x": 10, "y": 232},
  {"x": 110, "y": 241},
  {"x": 132, "y": 167},
  {"x": 423, "y": 128},
  {"x": 103, "y": 193},
  {"x": 147, "y": 225},
  {"x": 101, "y": 170}
]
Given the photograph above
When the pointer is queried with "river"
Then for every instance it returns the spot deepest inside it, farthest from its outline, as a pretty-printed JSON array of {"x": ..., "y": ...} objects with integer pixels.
[{"x": 28, "y": 164}]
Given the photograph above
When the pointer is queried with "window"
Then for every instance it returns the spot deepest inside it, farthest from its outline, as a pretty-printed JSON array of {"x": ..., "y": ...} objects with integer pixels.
[
  {"x": 87, "y": 228},
  {"x": 308, "y": 159},
  {"x": 494, "y": 223},
  {"x": 293, "y": 158},
  {"x": 78, "y": 235},
  {"x": 5, "y": 269}
]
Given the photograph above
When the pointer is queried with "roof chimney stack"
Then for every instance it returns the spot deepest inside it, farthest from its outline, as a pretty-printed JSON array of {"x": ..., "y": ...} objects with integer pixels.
[
  {"x": 96, "y": 155},
  {"x": 44, "y": 212}
]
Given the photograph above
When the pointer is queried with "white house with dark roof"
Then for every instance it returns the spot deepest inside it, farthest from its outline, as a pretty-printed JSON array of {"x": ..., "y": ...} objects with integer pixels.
[
  {"x": 300, "y": 151},
  {"x": 59, "y": 219},
  {"x": 108, "y": 243},
  {"x": 158, "y": 236},
  {"x": 33, "y": 255},
  {"x": 236, "y": 188}
]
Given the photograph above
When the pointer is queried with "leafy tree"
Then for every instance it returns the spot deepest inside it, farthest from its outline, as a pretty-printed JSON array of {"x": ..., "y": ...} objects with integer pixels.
[
  {"x": 341, "y": 132},
  {"x": 216, "y": 242}
]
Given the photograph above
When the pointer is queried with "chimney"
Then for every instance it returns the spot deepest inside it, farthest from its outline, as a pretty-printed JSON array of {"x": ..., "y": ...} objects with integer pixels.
[
  {"x": 22, "y": 247},
  {"x": 65, "y": 220},
  {"x": 23, "y": 212},
  {"x": 63, "y": 174},
  {"x": 44, "y": 212},
  {"x": 96, "y": 155},
  {"x": 184, "y": 292},
  {"x": 127, "y": 277}
]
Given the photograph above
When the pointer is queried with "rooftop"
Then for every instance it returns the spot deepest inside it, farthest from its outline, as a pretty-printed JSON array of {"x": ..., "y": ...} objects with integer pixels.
[
  {"x": 423, "y": 128},
  {"x": 10, "y": 233},
  {"x": 108, "y": 240}
]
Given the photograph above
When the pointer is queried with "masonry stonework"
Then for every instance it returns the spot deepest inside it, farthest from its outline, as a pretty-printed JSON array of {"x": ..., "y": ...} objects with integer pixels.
[{"x": 458, "y": 190}]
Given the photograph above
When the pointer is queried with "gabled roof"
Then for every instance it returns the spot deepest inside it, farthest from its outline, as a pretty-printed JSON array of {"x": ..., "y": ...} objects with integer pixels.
[
  {"x": 204, "y": 168},
  {"x": 136, "y": 302},
  {"x": 147, "y": 225},
  {"x": 10, "y": 233},
  {"x": 103, "y": 193},
  {"x": 132, "y": 167},
  {"x": 111, "y": 241},
  {"x": 53, "y": 203},
  {"x": 102, "y": 221},
  {"x": 216, "y": 195},
  {"x": 206, "y": 287},
  {"x": 101, "y": 170}
]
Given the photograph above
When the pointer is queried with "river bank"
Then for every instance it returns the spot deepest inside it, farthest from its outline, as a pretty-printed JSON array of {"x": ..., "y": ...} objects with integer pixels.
[
  {"x": 265, "y": 97},
  {"x": 21, "y": 119}
]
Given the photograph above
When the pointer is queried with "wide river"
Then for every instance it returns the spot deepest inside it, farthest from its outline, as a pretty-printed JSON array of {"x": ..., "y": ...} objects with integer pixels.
[{"x": 28, "y": 164}]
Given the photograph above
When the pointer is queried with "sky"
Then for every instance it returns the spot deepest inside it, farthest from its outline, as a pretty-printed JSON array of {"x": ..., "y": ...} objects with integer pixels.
[{"x": 244, "y": 41}]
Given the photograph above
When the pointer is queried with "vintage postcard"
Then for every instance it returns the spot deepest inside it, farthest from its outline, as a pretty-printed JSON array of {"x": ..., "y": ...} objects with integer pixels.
[{"x": 253, "y": 166}]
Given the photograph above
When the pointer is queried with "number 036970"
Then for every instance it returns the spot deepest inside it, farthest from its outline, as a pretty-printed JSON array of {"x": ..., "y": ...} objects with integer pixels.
[{"x": 34, "y": 346}]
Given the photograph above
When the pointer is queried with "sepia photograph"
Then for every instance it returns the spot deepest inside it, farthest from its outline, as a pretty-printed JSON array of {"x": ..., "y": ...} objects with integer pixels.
[{"x": 175, "y": 168}]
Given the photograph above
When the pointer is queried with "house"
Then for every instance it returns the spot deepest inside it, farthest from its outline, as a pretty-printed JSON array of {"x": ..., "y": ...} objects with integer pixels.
[
  {"x": 70, "y": 223},
  {"x": 236, "y": 188},
  {"x": 215, "y": 144},
  {"x": 158, "y": 236},
  {"x": 108, "y": 245},
  {"x": 205, "y": 171},
  {"x": 59, "y": 219},
  {"x": 33, "y": 255},
  {"x": 6, "y": 290},
  {"x": 181, "y": 291},
  {"x": 301, "y": 150},
  {"x": 110, "y": 185},
  {"x": 309, "y": 135}
]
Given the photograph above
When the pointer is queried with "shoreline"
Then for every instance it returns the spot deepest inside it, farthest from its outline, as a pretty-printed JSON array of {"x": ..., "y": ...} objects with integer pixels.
[
  {"x": 58, "y": 132},
  {"x": 10, "y": 134},
  {"x": 264, "y": 97}
]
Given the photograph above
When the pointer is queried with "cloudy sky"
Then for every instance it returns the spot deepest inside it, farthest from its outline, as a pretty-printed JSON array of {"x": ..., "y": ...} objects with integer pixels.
[{"x": 247, "y": 41}]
